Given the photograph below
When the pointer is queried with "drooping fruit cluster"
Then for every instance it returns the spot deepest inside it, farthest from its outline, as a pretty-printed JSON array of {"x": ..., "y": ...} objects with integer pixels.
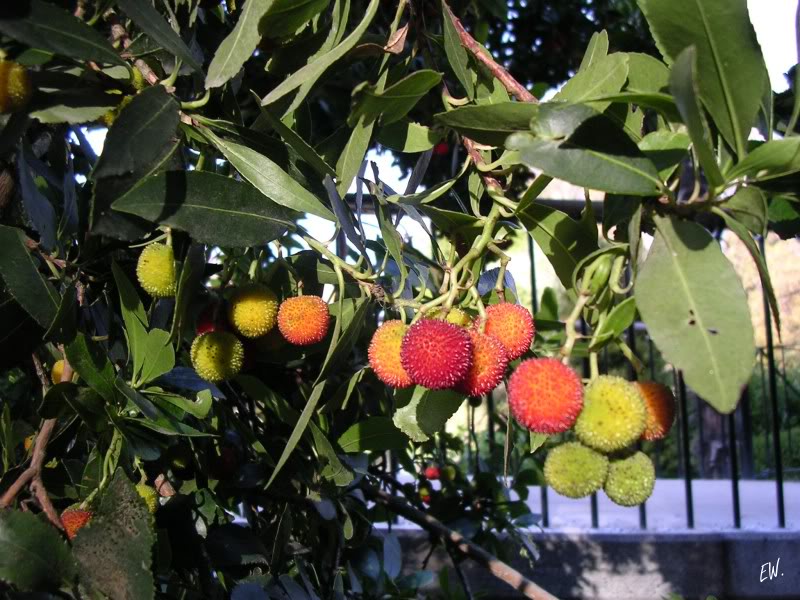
[
  {"x": 384, "y": 354},
  {"x": 574, "y": 470},
  {"x": 489, "y": 363},
  {"x": 304, "y": 320},
  {"x": 630, "y": 480},
  {"x": 545, "y": 395},
  {"x": 149, "y": 495},
  {"x": 156, "y": 270},
  {"x": 15, "y": 87},
  {"x": 253, "y": 310},
  {"x": 660, "y": 406},
  {"x": 217, "y": 355},
  {"x": 74, "y": 519},
  {"x": 436, "y": 354},
  {"x": 613, "y": 414},
  {"x": 512, "y": 325}
]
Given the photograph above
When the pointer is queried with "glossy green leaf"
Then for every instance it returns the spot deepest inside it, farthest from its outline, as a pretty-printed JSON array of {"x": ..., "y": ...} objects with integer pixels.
[
  {"x": 406, "y": 136},
  {"x": 775, "y": 158},
  {"x": 604, "y": 76},
  {"x": 320, "y": 64},
  {"x": 238, "y": 46},
  {"x": 46, "y": 26},
  {"x": 189, "y": 282},
  {"x": 213, "y": 209},
  {"x": 33, "y": 556},
  {"x": 298, "y": 144},
  {"x": 332, "y": 468},
  {"x": 22, "y": 278},
  {"x": 353, "y": 154},
  {"x": 65, "y": 324},
  {"x": 269, "y": 178},
  {"x": 455, "y": 52},
  {"x": 91, "y": 362},
  {"x": 349, "y": 323},
  {"x": 199, "y": 408},
  {"x": 152, "y": 115},
  {"x": 537, "y": 440},
  {"x": 730, "y": 68},
  {"x": 490, "y": 123},
  {"x": 394, "y": 103},
  {"x": 684, "y": 86},
  {"x": 666, "y": 149},
  {"x": 702, "y": 329},
  {"x": 375, "y": 434},
  {"x": 134, "y": 317},
  {"x": 595, "y": 50},
  {"x": 159, "y": 356},
  {"x": 285, "y": 17},
  {"x": 73, "y": 106},
  {"x": 394, "y": 243},
  {"x": 616, "y": 322},
  {"x": 427, "y": 412},
  {"x": 660, "y": 102},
  {"x": 749, "y": 207},
  {"x": 646, "y": 73},
  {"x": 154, "y": 25}
]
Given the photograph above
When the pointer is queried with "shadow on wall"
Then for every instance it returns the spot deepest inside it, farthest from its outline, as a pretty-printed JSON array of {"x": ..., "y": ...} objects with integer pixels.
[{"x": 636, "y": 566}]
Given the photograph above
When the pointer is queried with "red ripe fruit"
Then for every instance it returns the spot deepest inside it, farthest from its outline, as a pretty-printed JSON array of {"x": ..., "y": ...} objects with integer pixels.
[
  {"x": 489, "y": 362},
  {"x": 206, "y": 320},
  {"x": 436, "y": 354},
  {"x": 512, "y": 325},
  {"x": 433, "y": 473},
  {"x": 660, "y": 405},
  {"x": 441, "y": 149},
  {"x": 384, "y": 354},
  {"x": 304, "y": 320},
  {"x": 74, "y": 519},
  {"x": 545, "y": 395}
]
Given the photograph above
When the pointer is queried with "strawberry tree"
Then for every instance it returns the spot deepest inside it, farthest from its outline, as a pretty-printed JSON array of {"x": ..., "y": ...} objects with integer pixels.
[{"x": 201, "y": 397}]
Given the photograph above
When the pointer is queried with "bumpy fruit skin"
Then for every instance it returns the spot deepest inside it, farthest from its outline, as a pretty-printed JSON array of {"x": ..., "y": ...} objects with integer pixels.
[
  {"x": 435, "y": 354},
  {"x": 545, "y": 395},
  {"x": 74, "y": 519},
  {"x": 149, "y": 495},
  {"x": 433, "y": 473},
  {"x": 217, "y": 355},
  {"x": 512, "y": 325},
  {"x": 15, "y": 87},
  {"x": 304, "y": 320},
  {"x": 253, "y": 310},
  {"x": 384, "y": 354},
  {"x": 489, "y": 363},
  {"x": 613, "y": 414},
  {"x": 574, "y": 470},
  {"x": 57, "y": 371},
  {"x": 660, "y": 405},
  {"x": 156, "y": 270},
  {"x": 630, "y": 480}
]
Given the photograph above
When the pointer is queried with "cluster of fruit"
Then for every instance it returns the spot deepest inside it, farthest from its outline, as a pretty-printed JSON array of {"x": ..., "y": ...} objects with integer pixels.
[
  {"x": 608, "y": 417},
  {"x": 77, "y": 517},
  {"x": 253, "y": 311},
  {"x": 433, "y": 473}
]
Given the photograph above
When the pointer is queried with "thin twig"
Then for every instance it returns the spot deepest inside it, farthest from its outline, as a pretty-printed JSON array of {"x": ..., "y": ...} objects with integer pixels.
[
  {"x": 497, "y": 567},
  {"x": 461, "y": 576}
]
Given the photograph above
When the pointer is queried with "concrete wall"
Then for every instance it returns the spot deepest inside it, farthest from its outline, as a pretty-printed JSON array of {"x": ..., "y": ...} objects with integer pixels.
[{"x": 627, "y": 566}]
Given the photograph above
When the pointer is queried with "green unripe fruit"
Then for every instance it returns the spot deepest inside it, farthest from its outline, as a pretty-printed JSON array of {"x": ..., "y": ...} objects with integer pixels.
[
  {"x": 156, "y": 270},
  {"x": 217, "y": 355},
  {"x": 253, "y": 310},
  {"x": 599, "y": 273},
  {"x": 15, "y": 87},
  {"x": 149, "y": 495},
  {"x": 449, "y": 473},
  {"x": 613, "y": 414},
  {"x": 574, "y": 470},
  {"x": 630, "y": 480},
  {"x": 137, "y": 80}
]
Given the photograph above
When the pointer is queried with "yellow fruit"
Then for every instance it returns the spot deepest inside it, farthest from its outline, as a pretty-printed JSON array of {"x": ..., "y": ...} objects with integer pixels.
[
  {"x": 613, "y": 414},
  {"x": 149, "y": 495},
  {"x": 27, "y": 443},
  {"x": 15, "y": 87},
  {"x": 630, "y": 480},
  {"x": 156, "y": 270},
  {"x": 574, "y": 470},
  {"x": 253, "y": 310},
  {"x": 217, "y": 355},
  {"x": 57, "y": 371}
]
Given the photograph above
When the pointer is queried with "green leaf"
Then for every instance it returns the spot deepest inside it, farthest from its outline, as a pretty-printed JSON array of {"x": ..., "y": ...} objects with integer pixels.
[
  {"x": 684, "y": 86},
  {"x": 349, "y": 323},
  {"x": 114, "y": 551},
  {"x": 406, "y": 136},
  {"x": 702, "y": 329},
  {"x": 749, "y": 207},
  {"x": 189, "y": 282},
  {"x": 563, "y": 240},
  {"x": 159, "y": 356},
  {"x": 427, "y": 412},
  {"x": 64, "y": 326},
  {"x": 198, "y": 409},
  {"x": 456, "y": 54},
  {"x": 490, "y": 123},
  {"x": 771, "y": 159},
  {"x": 33, "y": 556},
  {"x": 90, "y": 362},
  {"x": 666, "y": 149},
  {"x": 759, "y": 259},
  {"x": 595, "y": 50},
  {"x": 23, "y": 280},
  {"x": 285, "y": 17},
  {"x": 618, "y": 320},
  {"x": 394, "y": 243},
  {"x": 303, "y": 149},
  {"x": 660, "y": 102},
  {"x": 320, "y": 64},
  {"x": 394, "y": 102},
  {"x": 646, "y": 73},
  {"x": 134, "y": 317},
  {"x": 605, "y": 76},
  {"x": 240, "y": 44},
  {"x": 136, "y": 400},
  {"x": 153, "y": 24},
  {"x": 73, "y": 106},
  {"x": 375, "y": 434},
  {"x": 47, "y": 27},
  {"x": 213, "y": 209},
  {"x": 152, "y": 115},
  {"x": 591, "y": 152},
  {"x": 353, "y": 154},
  {"x": 730, "y": 68},
  {"x": 537, "y": 440},
  {"x": 269, "y": 178},
  {"x": 333, "y": 468}
]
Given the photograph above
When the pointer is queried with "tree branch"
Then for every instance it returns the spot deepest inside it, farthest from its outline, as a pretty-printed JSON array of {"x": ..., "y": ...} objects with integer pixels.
[{"x": 497, "y": 567}]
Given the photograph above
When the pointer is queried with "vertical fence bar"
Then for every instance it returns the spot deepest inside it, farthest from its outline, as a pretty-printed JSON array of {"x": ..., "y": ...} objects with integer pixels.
[
  {"x": 737, "y": 513},
  {"x": 773, "y": 400},
  {"x": 586, "y": 375},
  {"x": 765, "y": 408},
  {"x": 633, "y": 376},
  {"x": 686, "y": 458}
]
